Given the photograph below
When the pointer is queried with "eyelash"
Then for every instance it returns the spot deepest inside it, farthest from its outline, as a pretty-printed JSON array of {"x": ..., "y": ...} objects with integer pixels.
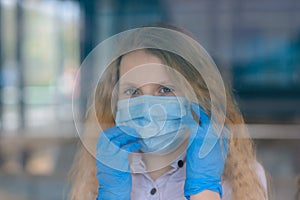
[
  {"x": 170, "y": 90},
  {"x": 131, "y": 91},
  {"x": 134, "y": 91}
]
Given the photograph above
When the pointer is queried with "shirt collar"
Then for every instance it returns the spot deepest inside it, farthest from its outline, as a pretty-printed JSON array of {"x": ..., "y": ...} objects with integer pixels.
[{"x": 137, "y": 164}]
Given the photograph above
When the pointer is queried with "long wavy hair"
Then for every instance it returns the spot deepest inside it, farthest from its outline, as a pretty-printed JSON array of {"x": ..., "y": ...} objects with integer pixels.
[{"x": 239, "y": 172}]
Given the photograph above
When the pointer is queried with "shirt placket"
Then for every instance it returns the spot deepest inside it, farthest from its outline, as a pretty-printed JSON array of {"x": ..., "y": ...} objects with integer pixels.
[{"x": 153, "y": 191}]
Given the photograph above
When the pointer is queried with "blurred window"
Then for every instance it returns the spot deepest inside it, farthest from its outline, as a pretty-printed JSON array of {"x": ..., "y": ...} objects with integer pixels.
[{"x": 49, "y": 61}]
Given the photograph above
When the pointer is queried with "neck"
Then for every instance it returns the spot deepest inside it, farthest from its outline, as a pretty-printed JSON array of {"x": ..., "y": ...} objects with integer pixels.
[{"x": 154, "y": 161}]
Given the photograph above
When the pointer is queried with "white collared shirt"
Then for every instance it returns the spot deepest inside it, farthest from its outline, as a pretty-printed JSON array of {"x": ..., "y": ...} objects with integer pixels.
[{"x": 171, "y": 184}]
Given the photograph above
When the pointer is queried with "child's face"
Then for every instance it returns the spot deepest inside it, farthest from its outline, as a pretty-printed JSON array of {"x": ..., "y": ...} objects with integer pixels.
[{"x": 142, "y": 73}]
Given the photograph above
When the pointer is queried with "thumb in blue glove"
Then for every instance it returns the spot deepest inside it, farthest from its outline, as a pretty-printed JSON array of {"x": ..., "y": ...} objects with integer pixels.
[
  {"x": 204, "y": 172},
  {"x": 113, "y": 172}
]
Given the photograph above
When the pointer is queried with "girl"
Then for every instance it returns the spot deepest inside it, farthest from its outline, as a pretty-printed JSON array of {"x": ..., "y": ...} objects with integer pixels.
[{"x": 156, "y": 104}]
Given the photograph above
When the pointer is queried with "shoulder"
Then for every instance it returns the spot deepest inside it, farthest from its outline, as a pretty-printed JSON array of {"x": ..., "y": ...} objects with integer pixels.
[
  {"x": 261, "y": 174},
  {"x": 227, "y": 190}
]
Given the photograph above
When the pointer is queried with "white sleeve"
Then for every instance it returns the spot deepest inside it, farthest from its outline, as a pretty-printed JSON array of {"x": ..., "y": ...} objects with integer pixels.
[
  {"x": 227, "y": 190},
  {"x": 262, "y": 176}
]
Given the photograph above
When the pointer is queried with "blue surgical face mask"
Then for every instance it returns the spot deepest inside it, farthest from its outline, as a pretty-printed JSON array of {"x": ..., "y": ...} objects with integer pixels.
[{"x": 157, "y": 120}]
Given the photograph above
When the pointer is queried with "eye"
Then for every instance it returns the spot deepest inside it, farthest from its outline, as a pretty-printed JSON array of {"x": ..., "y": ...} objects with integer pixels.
[
  {"x": 132, "y": 92},
  {"x": 166, "y": 90}
]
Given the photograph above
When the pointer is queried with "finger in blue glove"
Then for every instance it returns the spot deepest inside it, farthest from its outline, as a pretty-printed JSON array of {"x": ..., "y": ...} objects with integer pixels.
[
  {"x": 113, "y": 172},
  {"x": 203, "y": 172}
]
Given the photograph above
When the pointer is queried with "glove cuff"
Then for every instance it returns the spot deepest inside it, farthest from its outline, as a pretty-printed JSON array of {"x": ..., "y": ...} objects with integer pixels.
[
  {"x": 112, "y": 195},
  {"x": 194, "y": 186}
]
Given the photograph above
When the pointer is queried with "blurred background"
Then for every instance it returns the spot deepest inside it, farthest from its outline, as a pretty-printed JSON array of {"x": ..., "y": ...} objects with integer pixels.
[{"x": 256, "y": 45}]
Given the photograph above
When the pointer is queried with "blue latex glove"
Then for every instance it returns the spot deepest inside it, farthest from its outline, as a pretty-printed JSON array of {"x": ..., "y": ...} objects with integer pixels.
[
  {"x": 113, "y": 171},
  {"x": 204, "y": 172}
]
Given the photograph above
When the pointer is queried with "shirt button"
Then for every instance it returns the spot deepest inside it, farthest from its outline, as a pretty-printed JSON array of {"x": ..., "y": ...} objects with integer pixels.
[
  {"x": 153, "y": 191},
  {"x": 180, "y": 163}
]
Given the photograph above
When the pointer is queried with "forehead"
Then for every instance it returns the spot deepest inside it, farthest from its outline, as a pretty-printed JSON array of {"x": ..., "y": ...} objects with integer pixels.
[{"x": 141, "y": 67}]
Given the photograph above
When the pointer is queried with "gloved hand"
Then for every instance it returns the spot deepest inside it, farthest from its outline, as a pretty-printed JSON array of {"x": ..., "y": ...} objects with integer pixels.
[
  {"x": 204, "y": 172},
  {"x": 113, "y": 171}
]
